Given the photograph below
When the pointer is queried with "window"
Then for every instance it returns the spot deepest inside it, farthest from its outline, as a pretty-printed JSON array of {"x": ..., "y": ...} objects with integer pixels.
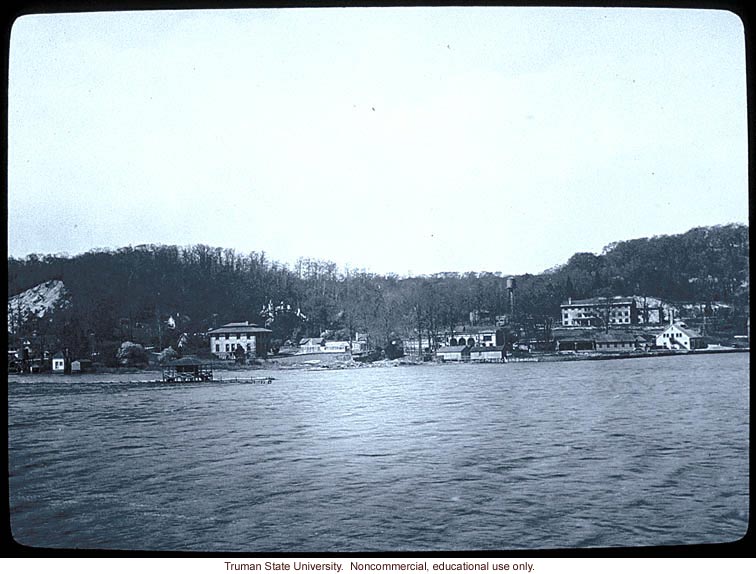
[
  {"x": 226, "y": 338},
  {"x": 217, "y": 348}
]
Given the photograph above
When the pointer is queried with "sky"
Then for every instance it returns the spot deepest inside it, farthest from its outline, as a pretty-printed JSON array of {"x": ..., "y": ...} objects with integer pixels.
[{"x": 396, "y": 140}]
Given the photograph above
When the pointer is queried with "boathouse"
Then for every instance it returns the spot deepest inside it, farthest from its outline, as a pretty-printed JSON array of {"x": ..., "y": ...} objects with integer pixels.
[
  {"x": 680, "y": 336},
  {"x": 187, "y": 369},
  {"x": 487, "y": 354},
  {"x": 455, "y": 353},
  {"x": 577, "y": 342},
  {"x": 616, "y": 341}
]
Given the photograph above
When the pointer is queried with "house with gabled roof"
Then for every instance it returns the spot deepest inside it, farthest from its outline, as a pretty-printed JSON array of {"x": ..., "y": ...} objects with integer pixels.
[
  {"x": 680, "y": 336},
  {"x": 311, "y": 345}
]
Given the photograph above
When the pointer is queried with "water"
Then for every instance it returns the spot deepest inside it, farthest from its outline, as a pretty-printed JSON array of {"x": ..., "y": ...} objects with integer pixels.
[{"x": 440, "y": 457}]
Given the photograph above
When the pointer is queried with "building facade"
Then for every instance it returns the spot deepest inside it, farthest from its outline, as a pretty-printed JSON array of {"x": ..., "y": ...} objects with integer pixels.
[
  {"x": 487, "y": 354},
  {"x": 474, "y": 337},
  {"x": 599, "y": 311},
  {"x": 59, "y": 363},
  {"x": 253, "y": 340}
]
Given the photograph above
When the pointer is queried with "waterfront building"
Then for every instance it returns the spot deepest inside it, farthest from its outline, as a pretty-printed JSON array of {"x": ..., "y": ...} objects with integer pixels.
[
  {"x": 253, "y": 339},
  {"x": 474, "y": 336},
  {"x": 615, "y": 341},
  {"x": 359, "y": 344},
  {"x": 311, "y": 345},
  {"x": 187, "y": 369},
  {"x": 336, "y": 347},
  {"x": 487, "y": 354},
  {"x": 454, "y": 353},
  {"x": 576, "y": 342},
  {"x": 680, "y": 336}
]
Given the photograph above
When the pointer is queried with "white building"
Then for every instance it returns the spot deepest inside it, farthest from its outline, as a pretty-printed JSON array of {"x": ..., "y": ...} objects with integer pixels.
[
  {"x": 475, "y": 336},
  {"x": 253, "y": 339},
  {"x": 58, "y": 363},
  {"x": 320, "y": 345},
  {"x": 455, "y": 353},
  {"x": 598, "y": 311},
  {"x": 311, "y": 345},
  {"x": 680, "y": 336}
]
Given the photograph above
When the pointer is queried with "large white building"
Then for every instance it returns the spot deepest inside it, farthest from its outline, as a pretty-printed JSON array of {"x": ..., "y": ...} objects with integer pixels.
[
  {"x": 596, "y": 312},
  {"x": 680, "y": 336},
  {"x": 253, "y": 340}
]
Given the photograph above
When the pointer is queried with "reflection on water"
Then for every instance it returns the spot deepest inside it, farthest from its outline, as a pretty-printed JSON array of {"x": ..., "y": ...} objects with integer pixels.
[{"x": 441, "y": 457}]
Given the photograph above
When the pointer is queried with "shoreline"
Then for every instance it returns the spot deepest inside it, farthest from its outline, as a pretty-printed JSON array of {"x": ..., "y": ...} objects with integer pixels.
[{"x": 350, "y": 363}]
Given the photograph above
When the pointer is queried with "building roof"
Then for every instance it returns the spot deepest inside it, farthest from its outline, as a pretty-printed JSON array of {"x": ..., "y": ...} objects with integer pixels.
[
  {"x": 599, "y": 301},
  {"x": 473, "y": 329},
  {"x": 576, "y": 337},
  {"x": 454, "y": 349},
  {"x": 692, "y": 333},
  {"x": 59, "y": 355},
  {"x": 311, "y": 340},
  {"x": 186, "y": 361},
  {"x": 615, "y": 337},
  {"x": 245, "y": 327}
]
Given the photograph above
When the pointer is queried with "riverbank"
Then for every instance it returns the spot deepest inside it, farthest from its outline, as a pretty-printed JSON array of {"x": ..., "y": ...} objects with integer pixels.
[{"x": 339, "y": 361}]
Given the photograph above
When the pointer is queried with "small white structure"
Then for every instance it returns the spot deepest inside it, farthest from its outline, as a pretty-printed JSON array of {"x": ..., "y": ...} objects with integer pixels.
[
  {"x": 311, "y": 345},
  {"x": 454, "y": 353},
  {"x": 680, "y": 336},
  {"x": 359, "y": 345},
  {"x": 58, "y": 363},
  {"x": 336, "y": 347},
  {"x": 320, "y": 345},
  {"x": 487, "y": 354}
]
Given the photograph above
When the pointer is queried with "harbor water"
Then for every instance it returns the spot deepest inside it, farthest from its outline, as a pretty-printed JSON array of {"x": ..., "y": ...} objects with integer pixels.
[{"x": 638, "y": 452}]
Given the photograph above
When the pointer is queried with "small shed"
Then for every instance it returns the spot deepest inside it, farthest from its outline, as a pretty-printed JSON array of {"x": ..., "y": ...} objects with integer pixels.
[
  {"x": 81, "y": 366},
  {"x": 187, "y": 369}
]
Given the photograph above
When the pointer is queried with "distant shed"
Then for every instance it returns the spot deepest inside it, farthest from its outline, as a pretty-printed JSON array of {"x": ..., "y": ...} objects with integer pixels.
[{"x": 81, "y": 366}]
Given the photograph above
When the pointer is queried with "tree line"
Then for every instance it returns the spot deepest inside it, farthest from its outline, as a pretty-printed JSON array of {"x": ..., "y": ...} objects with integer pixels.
[{"x": 130, "y": 293}]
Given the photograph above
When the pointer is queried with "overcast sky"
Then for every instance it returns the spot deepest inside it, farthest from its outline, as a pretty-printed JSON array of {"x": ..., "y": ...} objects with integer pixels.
[{"x": 402, "y": 140}]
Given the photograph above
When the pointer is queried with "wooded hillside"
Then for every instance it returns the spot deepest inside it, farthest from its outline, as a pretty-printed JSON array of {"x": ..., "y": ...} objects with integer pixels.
[{"x": 130, "y": 293}]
